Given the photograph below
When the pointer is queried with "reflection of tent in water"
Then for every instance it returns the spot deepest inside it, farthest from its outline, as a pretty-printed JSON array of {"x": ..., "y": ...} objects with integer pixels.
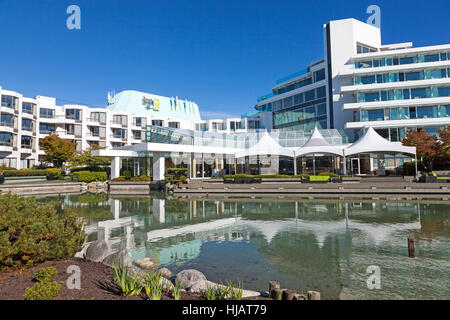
[{"x": 382, "y": 232}]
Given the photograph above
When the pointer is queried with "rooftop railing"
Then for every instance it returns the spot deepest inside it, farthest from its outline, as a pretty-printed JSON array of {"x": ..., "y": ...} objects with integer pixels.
[{"x": 292, "y": 76}]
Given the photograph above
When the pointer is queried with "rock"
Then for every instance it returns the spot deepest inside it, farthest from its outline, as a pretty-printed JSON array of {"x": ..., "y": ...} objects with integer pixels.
[
  {"x": 145, "y": 263},
  {"x": 97, "y": 251},
  {"x": 117, "y": 257},
  {"x": 300, "y": 297},
  {"x": 188, "y": 277},
  {"x": 79, "y": 255},
  {"x": 167, "y": 284},
  {"x": 201, "y": 285},
  {"x": 166, "y": 273},
  {"x": 313, "y": 295}
]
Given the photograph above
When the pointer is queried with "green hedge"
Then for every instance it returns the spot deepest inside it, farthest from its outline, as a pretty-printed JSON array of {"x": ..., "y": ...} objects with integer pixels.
[
  {"x": 87, "y": 176},
  {"x": 32, "y": 232},
  {"x": 240, "y": 175},
  {"x": 25, "y": 173},
  {"x": 141, "y": 178},
  {"x": 330, "y": 174},
  {"x": 53, "y": 173},
  {"x": 302, "y": 175}
]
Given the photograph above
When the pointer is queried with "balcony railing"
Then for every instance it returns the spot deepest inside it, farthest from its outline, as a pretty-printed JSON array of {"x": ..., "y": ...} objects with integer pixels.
[
  {"x": 46, "y": 131},
  {"x": 26, "y": 146},
  {"x": 5, "y": 143},
  {"x": 114, "y": 136},
  {"x": 6, "y": 124}
]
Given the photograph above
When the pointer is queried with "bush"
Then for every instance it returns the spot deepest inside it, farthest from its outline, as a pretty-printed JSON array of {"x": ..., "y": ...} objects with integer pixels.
[
  {"x": 241, "y": 175},
  {"x": 87, "y": 176},
  {"x": 141, "y": 178},
  {"x": 302, "y": 175},
  {"x": 46, "y": 274},
  {"x": 25, "y": 173},
  {"x": 121, "y": 178},
  {"x": 330, "y": 174},
  {"x": 42, "y": 290},
  {"x": 33, "y": 232},
  {"x": 53, "y": 173},
  {"x": 126, "y": 174}
]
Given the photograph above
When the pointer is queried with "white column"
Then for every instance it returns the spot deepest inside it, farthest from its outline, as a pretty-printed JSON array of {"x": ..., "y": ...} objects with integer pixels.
[
  {"x": 381, "y": 165},
  {"x": 115, "y": 167},
  {"x": 159, "y": 210},
  {"x": 295, "y": 166},
  {"x": 158, "y": 167},
  {"x": 115, "y": 208}
]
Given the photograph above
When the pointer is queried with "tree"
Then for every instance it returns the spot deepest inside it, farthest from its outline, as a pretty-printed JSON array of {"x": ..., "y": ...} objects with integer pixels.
[
  {"x": 86, "y": 159},
  {"x": 427, "y": 147},
  {"x": 57, "y": 150},
  {"x": 444, "y": 136}
]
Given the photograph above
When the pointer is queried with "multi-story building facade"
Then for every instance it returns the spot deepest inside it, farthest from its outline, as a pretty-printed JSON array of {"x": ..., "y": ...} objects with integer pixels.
[{"x": 361, "y": 83}]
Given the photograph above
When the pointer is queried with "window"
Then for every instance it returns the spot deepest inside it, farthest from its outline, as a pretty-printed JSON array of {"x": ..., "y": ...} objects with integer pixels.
[
  {"x": 6, "y": 139},
  {"x": 74, "y": 114},
  {"x": 138, "y": 122},
  {"x": 28, "y": 107},
  {"x": 27, "y": 124},
  {"x": 431, "y": 57},
  {"x": 394, "y": 114},
  {"x": 321, "y": 109},
  {"x": 287, "y": 102},
  {"x": 277, "y": 105},
  {"x": 174, "y": 124},
  {"x": 444, "y": 111},
  {"x": 427, "y": 112},
  {"x": 6, "y": 120},
  {"x": 46, "y": 113},
  {"x": 407, "y": 60},
  {"x": 309, "y": 95},
  {"x": 158, "y": 123},
  {"x": 444, "y": 91},
  {"x": 321, "y": 92},
  {"x": 136, "y": 135},
  {"x": 376, "y": 115},
  {"x": 298, "y": 99},
  {"x": 70, "y": 129},
  {"x": 94, "y": 131},
  {"x": 26, "y": 142},
  {"x": 9, "y": 102},
  {"x": 120, "y": 119},
  {"x": 319, "y": 75},
  {"x": 412, "y": 112},
  {"x": 372, "y": 96},
  {"x": 417, "y": 93},
  {"x": 45, "y": 128},
  {"x": 412, "y": 76},
  {"x": 119, "y": 133}
]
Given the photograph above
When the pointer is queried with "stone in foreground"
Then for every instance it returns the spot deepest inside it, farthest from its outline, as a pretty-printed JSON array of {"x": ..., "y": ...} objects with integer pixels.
[
  {"x": 187, "y": 278},
  {"x": 166, "y": 273},
  {"x": 144, "y": 264},
  {"x": 116, "y": 258},
  {"x": 97, "y": 251}
]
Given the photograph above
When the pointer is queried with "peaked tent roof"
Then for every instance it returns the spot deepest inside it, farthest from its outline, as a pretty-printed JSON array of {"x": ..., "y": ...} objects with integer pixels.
[
  {"x": 317, "y": 144},
  {"x": 265, "y": 145},
  {"x": 371, "y": 141}
]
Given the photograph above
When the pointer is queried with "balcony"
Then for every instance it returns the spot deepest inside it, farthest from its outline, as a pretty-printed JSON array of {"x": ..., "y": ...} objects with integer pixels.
[
  {"x": 6, "y": 124},
  {"x": 26, "y": 146},
  {"x": 96, "y": 120},
  {"x": 115, "y": 136}
]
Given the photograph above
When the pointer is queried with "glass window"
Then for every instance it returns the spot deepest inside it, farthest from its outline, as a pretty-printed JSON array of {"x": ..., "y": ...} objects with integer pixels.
[
  {"x": 372, "y": 96},
  {"x": 433, "y": 131},
  {"x": 394, "y": 114},
  {"x": 412, "y": 76},
  {"x": 321, "y": 92},
  {"x": 310, "y": 112},
  {"x": 407, "y": 60},
  {"x": 26, "y": 124},
  {"x": 27, "y": 107},
  {"x": 319, "y": 75},
  {"x": 406, "y": 94},
  {"x": 321, "y": 109},
  {"x": 309, "y": 95},
  {"x": 74, "y": 114},
  {"x": 444, "y": 111},
  {"x": 394, "y": 134},
  {"x": 418, "y": 93},
  {"x": 431, "y": 57},
  {"x": 425, "y": 112},
  {"x": 404, "y": 113},
  {"x": 287, "y": 102},
  {"x": 9, "y": 102},
  {"x": 412, "y": 112},
  {"x": 383, "y": 132},
  {"x": 5, "y": 139},
  {"x": 46, "y": 113},
  {"x": 376, "y": 115},
  {"x": 444, "y": 91},
  {"x": 298, "y": 99},
  {"x": 277, "y": 105},
  {"x": 45, "y": 128},
  {"x": 368, "y": 79}
]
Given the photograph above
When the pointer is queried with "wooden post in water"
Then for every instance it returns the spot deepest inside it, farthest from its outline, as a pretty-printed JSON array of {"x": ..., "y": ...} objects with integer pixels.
[
  {"x": 288, "y": 294},
  {"x": 274, "y": 287},
  {"x": 411, "y": 247},
  {"x": 313, "y": 295}
]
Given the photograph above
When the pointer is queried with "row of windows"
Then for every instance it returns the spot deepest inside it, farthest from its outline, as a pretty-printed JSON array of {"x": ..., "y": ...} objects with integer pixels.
[
  {"x": 397, "y": 134},
  {"x": 403, "y": 94},
  {"x": 308, "y": 125},
  {"x": 403, "y": 113},
  {"x": 9, "y": 101},
  {"x": 299, "y": 114},
  {"x": 360, "y": 48},
  {"x": 417, "y": 58},
  {"x": 297, "y": 99},
  {"x": 402, "y": 76},
  {"x": 317, "y": 76}
]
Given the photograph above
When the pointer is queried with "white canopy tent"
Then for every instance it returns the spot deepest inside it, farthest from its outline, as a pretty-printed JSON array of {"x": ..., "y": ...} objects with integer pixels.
[
  {"x": 265, "y": 145},
  {"x": 317, "y": 144},
  {"x": 372, "y": 142}
]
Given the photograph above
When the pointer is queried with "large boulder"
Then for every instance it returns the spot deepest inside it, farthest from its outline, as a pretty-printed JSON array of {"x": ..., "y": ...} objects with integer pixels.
[
  {"x": 97, "y": 251},
  {"x": 187, "y": 278},
  {"x": 123, "y": 256},
  {"x": 166, "y": 273},
  {"x": 202, "y": 285}
]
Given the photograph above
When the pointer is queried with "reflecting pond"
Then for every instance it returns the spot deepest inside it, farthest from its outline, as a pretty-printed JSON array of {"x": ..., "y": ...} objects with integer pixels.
[{"x": 305, "y": 243}]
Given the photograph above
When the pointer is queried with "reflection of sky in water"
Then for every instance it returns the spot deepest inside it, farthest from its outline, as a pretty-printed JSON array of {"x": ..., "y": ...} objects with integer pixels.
[{"x": 308, "y": 244}]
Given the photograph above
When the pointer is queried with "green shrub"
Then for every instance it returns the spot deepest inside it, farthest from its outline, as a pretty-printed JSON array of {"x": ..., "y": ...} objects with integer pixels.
[
  {"x": 128, "y": 284},
  {"x": 42, "y": 290},
  {"x": 141, "y": 178},
  {"x": 330, "y": 174},
  {"x": 87, "y": 176},
  {"x": 25, "y": 173},
  {"x": 241, "y": 175},
  {"x": 126, "y": 174},
  {"x": 67, "y": 178},
  {"x": 121, "y": 178},
  {"x": 46, "y": 274},
  {"x": 53, "y": 173},
  {"x": 33, "y": 232},
  {"x": 302, "y": 175}
]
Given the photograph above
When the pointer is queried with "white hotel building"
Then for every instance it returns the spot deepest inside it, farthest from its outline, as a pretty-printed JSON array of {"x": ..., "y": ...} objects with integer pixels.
[{"x": 359, "y": 83}]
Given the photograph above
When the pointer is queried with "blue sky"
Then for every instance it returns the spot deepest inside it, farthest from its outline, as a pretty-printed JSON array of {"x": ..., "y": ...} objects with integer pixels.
[{"x": 220, "y": 54}]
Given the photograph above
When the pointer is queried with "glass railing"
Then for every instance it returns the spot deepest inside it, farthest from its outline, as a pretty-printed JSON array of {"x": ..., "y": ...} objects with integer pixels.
[
  {"x": 292, "y": 76},
  {"x": 266, "y": 96}
]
